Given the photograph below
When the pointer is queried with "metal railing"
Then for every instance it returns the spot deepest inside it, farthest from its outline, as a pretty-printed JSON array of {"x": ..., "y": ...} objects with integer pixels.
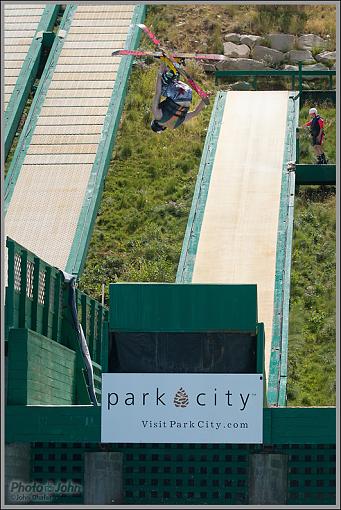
[
  {"x": 294, "y": 74},
  {"x": 36, "y": 298}
]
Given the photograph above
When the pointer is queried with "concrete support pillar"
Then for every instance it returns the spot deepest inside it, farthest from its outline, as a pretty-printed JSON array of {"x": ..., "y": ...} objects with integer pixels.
[
  {"x": 103, "y": 478},
  {"x": 268, "y": 479},
  {"x": 17, "y": 473}
]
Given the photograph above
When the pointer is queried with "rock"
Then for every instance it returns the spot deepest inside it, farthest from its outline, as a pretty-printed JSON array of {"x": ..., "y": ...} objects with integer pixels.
[
  {"x": 333, "y": 67},
  {"x": 289, "y": 67},
  {"x": 314, "y": 67},
  {"x": 269, "y": 55},
  {"x": 282, "y": 42},
  {"x": 295, "y": 56},
  {"x": 309, "y": 41},
  {"x": 235, "y": 38},
  {"x": 209, "y": 68},
  {"x": 251, "y": 40},
  {"x": 326, "y": 56},
  {"x": 241, "y": 85},
  {"x": 237, "y": 64},
  {"x": 236, "y": 50}
]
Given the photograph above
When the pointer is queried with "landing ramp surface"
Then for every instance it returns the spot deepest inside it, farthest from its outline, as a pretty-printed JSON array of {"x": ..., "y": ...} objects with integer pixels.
[{"x": 238, "y": 237}]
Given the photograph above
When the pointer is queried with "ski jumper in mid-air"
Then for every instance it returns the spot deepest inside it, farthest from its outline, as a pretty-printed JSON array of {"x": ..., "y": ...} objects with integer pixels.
[
  {"x": 317, "y": 135},
  {"x": 174, "y": 110}
]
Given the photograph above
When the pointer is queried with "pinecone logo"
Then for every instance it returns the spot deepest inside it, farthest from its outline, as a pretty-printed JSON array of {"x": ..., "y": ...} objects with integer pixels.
[{"x": 181, "y": 398}]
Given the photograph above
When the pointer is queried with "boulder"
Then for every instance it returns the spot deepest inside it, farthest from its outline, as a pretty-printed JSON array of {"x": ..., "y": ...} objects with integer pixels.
[
  {"x": 237, "y": 64},
  {"x": 282, "y": 42},
  {"x": 235, "y": 38},
  {"x": 241, "y": 85},
  {"x": 251, "y": 40},
  {"x": 295, "y": 56},
  {"x": 326, "y": 56},
  {"x": 290, "y": 67},
  {"x": 236, "y": 50},
  {"x": 209, "y": 68},
  {"x": 269, "y": 55},
  {"x": 314, "y": 67},
  {"x": 309, "y": 41}
]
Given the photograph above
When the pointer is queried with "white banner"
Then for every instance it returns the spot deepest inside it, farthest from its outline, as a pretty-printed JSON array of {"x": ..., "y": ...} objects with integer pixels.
[{"x": 182, "y": 408}]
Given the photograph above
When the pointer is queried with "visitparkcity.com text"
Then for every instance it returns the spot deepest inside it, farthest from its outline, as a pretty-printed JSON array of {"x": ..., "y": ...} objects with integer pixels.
[{"x": 193, "y": 424}]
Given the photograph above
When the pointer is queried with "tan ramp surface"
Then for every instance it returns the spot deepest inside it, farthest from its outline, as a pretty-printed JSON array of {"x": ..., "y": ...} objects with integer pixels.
[
  {"x": 238, "y": 237},
  {"x": 47, "y": 199},
  {"x": 20, "y": 25}
]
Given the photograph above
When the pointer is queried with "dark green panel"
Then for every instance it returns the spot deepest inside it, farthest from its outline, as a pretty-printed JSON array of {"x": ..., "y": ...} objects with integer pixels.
[
  {"x": 302, "y": 425},
  {"x": 50, "y": 423},
  {"x": 41, "y": 371},
  {"x": 172, "y": 307},
  {"x": 82, "y": 423},
  {"x": 315, "y": 174}
]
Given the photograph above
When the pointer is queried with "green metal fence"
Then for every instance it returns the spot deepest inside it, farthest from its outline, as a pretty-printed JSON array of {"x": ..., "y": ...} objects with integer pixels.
[
  {"x": 37, "y": 299},
  {"x": 294, "y": 74},
  {"x": 192, "y": 474}
]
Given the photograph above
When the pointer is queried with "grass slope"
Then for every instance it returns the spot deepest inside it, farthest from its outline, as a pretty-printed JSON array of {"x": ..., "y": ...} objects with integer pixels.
[{"x": 312, "y": 334}]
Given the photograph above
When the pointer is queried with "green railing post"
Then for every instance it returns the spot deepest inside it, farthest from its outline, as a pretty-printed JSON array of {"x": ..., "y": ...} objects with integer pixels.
[
  {"x": 260, "y": 348},
  {"x": 46, "y": 309},
  {"x": 83, "y": 307},
  {"x": 105, "y": 346},
  {"x": 293, "y": 80},
  {"x": 9, "y": 303},
  {"x": 300, "y": 77},
  {"x": 297, "y": 145},
  {"x": 34, "y": 307},
  {"x": 23, "y": 290},
  {"x": 92, "y": 341},
  {"x": 56, "y": 307},
  {"x": 331, "y": 82}
]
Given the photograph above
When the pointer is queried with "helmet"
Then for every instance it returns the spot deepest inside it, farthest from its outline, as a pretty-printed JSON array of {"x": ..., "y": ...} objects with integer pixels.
[
  {"x": 312, "y": 111},
  {"x": 156, "y": 127},
  {"x": 169, "y": 76}
]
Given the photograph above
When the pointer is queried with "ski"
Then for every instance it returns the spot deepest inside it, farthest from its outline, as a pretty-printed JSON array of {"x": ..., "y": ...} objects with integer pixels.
[
  {"x": 204, "y": 96},
  {"x": 176, "y": 55}
]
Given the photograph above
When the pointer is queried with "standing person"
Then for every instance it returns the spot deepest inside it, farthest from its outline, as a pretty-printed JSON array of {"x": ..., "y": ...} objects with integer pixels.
[
  {"x": 317, "y": 135},
  {"x": 174, "y": 110}
]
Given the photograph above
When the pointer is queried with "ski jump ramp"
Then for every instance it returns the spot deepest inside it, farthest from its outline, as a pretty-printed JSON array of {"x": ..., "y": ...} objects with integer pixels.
[
  {"x": 54, "y": 183},
  {"x": 232, "y": 233},
  {"x": 21, "y": 21}
]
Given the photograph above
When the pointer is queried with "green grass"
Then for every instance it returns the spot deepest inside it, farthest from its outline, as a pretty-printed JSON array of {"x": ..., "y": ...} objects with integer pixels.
[
  {"x": 312, "y": 321},
  {"x": 147, "y": 197},
  {"x": 312, "y": 335}
]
